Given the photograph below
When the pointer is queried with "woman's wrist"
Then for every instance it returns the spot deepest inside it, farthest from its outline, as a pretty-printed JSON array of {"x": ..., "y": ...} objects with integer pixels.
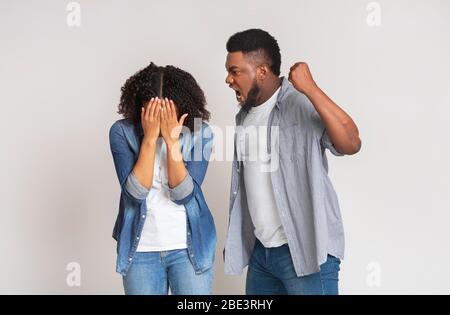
[
  {"x": 174, "y": 151},
  {"x": 149, "y": 141},
  {"x": 172, "y": 144}
]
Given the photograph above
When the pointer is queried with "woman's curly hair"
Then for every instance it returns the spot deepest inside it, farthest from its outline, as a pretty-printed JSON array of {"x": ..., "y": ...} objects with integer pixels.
[{"x": 171, "y": 82}]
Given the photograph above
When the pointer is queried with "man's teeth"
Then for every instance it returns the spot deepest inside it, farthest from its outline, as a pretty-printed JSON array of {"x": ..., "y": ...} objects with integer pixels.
[{"x": 238, "y": 95}]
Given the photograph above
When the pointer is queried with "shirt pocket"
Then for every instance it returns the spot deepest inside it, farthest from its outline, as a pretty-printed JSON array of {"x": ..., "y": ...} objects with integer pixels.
[{"x": 292, "y": 142}]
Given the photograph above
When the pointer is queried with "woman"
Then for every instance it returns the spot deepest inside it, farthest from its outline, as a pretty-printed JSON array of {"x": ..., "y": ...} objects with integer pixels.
[{"x": 165, "y": 232}]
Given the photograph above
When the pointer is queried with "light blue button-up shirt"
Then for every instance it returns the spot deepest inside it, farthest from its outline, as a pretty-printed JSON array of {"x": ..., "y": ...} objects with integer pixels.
[{"x": 305, "y": 198}]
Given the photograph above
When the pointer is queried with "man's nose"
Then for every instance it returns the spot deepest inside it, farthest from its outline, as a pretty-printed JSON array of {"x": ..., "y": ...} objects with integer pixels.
[{"x": 228, "y": 79}]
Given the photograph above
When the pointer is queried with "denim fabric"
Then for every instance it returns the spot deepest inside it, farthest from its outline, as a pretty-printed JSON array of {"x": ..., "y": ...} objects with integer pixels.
[
  {"x": 271, "y": 272},
  {"x": 125, "y": 140},
  {"x": 153, "y": 273}
]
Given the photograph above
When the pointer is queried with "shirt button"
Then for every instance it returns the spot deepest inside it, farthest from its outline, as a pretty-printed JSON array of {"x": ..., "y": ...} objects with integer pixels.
[
  {"x": 130, "y": 259},
  {"x": 143, "y": 216},
  {"x": 137, "y": 237},
  {"x": 234, "y": 192}
]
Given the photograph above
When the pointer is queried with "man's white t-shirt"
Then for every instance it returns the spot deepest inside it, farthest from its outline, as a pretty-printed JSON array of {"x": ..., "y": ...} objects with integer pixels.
[{"x": 252, "y": 150}]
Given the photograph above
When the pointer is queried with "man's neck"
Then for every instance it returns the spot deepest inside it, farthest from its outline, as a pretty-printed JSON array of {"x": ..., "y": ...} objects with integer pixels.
[{"x": 270, "y": 87}]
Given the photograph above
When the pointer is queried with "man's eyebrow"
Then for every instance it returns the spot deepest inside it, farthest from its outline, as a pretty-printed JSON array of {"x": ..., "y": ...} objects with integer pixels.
[{"x": 232, "y": 68}]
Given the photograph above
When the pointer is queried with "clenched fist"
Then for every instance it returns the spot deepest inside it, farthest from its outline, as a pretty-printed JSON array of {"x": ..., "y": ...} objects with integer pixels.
[{"x": 301, "y": 78}]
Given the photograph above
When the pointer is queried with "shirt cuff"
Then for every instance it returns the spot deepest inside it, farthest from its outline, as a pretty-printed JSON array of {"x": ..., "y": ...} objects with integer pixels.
[
  {"x": 326, "y": 142},
  {"x": 135, "y": 188},
  {"x": 183, "y": 189}
]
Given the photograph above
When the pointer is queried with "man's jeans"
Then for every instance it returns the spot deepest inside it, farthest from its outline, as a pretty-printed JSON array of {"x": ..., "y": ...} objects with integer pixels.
[
  {"x": 154, "y": 272},
  {"x": 271, "y": 271}
]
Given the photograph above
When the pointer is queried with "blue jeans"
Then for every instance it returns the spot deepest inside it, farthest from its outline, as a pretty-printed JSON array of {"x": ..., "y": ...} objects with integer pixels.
[
  {"x": 155, "y": 272},
  {"x": 271, "y": 271}
]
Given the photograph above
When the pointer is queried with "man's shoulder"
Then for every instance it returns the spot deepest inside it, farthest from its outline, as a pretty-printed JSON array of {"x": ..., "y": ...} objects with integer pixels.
[{"x": 295, "y": 99}]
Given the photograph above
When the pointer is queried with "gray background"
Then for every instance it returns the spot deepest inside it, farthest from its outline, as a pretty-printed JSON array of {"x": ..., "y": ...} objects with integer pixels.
[{"x": 59, "y": 93}]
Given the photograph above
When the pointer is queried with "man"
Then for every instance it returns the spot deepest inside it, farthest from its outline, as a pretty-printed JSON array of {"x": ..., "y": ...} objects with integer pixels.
[{"x": 285, "y": 221}]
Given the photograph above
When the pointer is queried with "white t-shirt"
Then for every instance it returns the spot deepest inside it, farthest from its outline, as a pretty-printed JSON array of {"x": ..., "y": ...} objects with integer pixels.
[
  {"x": 252, "y": 150},
  {"x": 165, "y": 223}
]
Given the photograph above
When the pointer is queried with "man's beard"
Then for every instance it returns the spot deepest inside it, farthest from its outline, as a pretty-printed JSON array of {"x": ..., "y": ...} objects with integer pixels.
[{"x": 251, "y": 97}]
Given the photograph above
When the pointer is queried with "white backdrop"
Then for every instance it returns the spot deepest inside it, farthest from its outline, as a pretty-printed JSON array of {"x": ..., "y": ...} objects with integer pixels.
[{"x": 385, "y": 62}]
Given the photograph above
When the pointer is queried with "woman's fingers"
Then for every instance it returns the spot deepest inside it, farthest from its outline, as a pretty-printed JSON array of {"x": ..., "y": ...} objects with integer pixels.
[
  {"x": 162, "y": 114},
  {"x": 166, "y": 111},
  {"x": 157, "y": 112},
  {"x": 147, "y": 109},
  {"x": 153, "y": 108},
  {"x": 173, "y": 110},
  {"x": 169, "y": 109},
  {"x": 144, "y": 110}
]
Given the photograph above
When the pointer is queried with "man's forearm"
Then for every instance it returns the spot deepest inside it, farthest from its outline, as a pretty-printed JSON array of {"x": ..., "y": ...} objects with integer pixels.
[{"x": 340, "y": 127}]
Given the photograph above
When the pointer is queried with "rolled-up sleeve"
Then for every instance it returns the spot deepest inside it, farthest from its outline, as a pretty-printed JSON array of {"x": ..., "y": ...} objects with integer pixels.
[
  {"x": 326, "y": 143},
  {"x": 183, "y": 189},
  {"x": 320, "y": 130},
  {"x": 135, "y": 188}
]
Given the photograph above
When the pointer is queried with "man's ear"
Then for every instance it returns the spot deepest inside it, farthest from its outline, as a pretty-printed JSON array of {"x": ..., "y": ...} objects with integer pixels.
[{"x": 262, "y": 72}]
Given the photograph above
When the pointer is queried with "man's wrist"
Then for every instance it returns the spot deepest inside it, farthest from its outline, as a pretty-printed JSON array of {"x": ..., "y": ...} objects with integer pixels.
[{"x": 312, "y": 90}]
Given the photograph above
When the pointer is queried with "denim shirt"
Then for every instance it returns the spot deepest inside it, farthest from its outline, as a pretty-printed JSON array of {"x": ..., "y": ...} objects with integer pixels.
[
  {"x": 125, "y": 140},
  {"x": 306, "y": 201}
]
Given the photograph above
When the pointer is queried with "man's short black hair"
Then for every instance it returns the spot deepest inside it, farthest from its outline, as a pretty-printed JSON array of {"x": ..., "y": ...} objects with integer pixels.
[{"x": 254, "y": 40}]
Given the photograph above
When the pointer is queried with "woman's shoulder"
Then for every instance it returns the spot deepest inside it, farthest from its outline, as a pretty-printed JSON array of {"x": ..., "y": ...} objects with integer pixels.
[
  {"x": 121, "y": 123},
  {"x": 121, "y": 126}
]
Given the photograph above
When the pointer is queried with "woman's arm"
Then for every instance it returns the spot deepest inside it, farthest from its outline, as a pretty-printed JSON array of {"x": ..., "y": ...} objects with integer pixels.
[
  {"x": 176, "y": 171},
  {"x": 150, "y": 119},
  {"x": 170, "y": 130}
]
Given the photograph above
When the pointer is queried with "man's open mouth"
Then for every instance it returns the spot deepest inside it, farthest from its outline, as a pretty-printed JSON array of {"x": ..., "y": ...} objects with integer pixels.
[{"x": 238, "y": 96}]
